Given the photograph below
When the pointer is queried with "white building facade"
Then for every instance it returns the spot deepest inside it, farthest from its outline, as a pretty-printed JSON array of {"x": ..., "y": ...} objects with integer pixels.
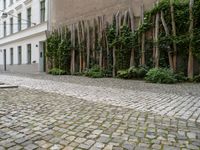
[{"x": 23, "y": 26}]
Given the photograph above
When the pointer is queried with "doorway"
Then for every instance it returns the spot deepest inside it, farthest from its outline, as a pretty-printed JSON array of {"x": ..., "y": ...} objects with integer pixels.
[
  {"x": 42, "y": 54},
  {"x": 4, "y": 58},
  {"x": 29, "y": 54},
  {"x": 19, "y": 55},
  {"x": 11, "y": 56}
]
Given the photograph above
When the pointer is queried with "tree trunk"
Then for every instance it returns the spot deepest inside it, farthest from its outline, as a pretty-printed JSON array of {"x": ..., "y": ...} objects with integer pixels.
[
  {"x": 80, "y": 49},
  {"x": 191, "y": 58},
  {"x": 73, "y": 38},
  {"x": 114, "y": 62},
  {"x": 132, "y": 59},
  {"x": 125, "y": 18},
  {"x": 83, "y": 42},
  {"x": 94, "y": 40},
  {"x": 143, "y": 37},
  {"x": 174, "y": 34},
  {"x": 88, "y": 44},
  {"x": 100, "y": 20},
  {"x": 167, "y": 34},
  {"x": 114, "y": 49},
  {"x": 157, "y": 54}
]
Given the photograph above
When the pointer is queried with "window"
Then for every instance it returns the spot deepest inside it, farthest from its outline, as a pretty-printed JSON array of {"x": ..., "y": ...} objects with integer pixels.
[
  {"x": 19, "y": 17},
  {"x": 4, "y": 57},
  {"x": 29, "y": 53},
  {"x": 11, "y": 25},
  {"x": 11, "y": 56},
  {"x": 4, "y": 4},
  {"x": 29, "y": 17},
  {"x": 19, "y": 55},
  {"x": 11, "y": 2},
  {"x": 4, "y": 28},
  {"x": 42, "y": 11}
]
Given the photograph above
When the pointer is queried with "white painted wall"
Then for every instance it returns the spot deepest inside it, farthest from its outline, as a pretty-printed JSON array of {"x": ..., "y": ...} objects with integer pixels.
[
  {"x": 32, "y": 35},
  {"x": 34, "y": 41}
]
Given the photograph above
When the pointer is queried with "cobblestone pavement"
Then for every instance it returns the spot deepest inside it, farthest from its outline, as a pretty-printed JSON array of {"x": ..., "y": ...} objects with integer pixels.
[
  {"x": 178, "y": 89},
  {"x": 33, "y": 119},
  {"x": 185, "y": 106}
]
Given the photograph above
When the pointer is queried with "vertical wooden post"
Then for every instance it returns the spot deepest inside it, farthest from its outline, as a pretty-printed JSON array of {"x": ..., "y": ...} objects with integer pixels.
[
  {"x": 73, "y": 40},
  {"x": 100, "y": 20},
  {"x": 132, "y": 59},
  {"x": 143, "y": 37},
  {"x": 88, "y": 43},
  {"x": 157, "y": 54},
  {"x": 167, "y": 34},
  {"x": 80, "y": 48},
  {"x": 174, "y": 34},
  {"x": 83, "y": 42},
  {"x": 191, "y": 58}
]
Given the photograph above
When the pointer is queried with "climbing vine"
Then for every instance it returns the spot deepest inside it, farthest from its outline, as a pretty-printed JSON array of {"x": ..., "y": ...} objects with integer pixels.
[{"x": 157, "y": 41}]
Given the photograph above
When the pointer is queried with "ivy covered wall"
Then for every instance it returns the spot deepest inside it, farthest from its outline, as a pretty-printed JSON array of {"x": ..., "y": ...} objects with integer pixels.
[{"x": 167, "y": 36}]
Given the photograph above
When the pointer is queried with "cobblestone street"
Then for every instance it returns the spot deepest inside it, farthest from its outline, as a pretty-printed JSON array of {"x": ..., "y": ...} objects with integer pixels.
[
  {"x": 180, "y": 101},
  {"x": 49, "y": 114},
  {"x": 39, "y": 120}
]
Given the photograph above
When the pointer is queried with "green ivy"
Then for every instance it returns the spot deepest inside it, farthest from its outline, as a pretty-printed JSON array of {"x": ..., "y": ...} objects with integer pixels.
[{"x": 59, "y": 50}]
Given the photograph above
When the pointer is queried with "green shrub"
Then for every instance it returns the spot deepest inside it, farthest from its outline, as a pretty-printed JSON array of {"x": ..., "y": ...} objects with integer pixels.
[
  {"x": 124, "y": 74},
  {"x": 94, "y": 72},
  {"x": 196, "y": 79},
  {"x": 132, "y": 73},
  {"x": 56, "y": 71},
  {"x": 180, "y": 77},
  {"x": 161, "y": 75},
  {"x": 142, "y": 71}
]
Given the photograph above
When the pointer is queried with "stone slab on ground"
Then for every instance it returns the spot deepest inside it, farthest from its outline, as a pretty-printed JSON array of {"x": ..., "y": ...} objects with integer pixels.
[{"x": 7, "y": 86}]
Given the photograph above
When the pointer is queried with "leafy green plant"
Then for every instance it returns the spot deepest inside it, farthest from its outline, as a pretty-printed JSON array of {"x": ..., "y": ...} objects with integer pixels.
[
  {"x": 124, "y": 74},
  {"x": 160, "y": 75},
  {"x": 57, "y": 71},
  {"x": 59, "y": 50},
  {"x": 180, "y": 77},
  {"x": 94, "y": 72},
  {"x": 196, "y": 79},
  {"x": 133, "y": 73}
]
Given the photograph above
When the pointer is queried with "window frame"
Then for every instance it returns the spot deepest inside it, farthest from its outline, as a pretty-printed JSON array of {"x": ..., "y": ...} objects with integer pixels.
[
  {"x": 4, "y": 4},
  {"x": 42, "y": 11},
  {"x": 29, "y": 48},
  {"x": 11, "y": 2},
  {"x": 19, "y": 50},
  {"x": 4, "y": 29},
  {"x": 19, "y": 21},
  {"x": 11, "y": 56},
  {"x": 29, "y": 17},
  {"x": 11, "y": 25}
]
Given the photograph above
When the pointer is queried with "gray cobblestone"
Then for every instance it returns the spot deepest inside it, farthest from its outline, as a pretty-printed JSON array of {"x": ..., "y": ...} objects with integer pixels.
[
  {"x": 178, "y": 105},
  {"x": 43, "y": 120}
]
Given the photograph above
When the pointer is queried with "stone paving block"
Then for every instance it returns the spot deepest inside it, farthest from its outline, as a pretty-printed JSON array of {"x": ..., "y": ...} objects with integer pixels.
[
  {"x": 34, "y": 119},
  {"x": 30, "y": 147},
  {"x": 16, "y": 147},
  {"x": 163, "y": 100},
  {"x": 56, "y": 147}
]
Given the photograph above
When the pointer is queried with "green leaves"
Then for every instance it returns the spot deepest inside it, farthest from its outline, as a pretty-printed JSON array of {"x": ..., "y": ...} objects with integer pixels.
[
  {"x": 59, "y": 49},
  {"x": 161, "y": 75}
]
